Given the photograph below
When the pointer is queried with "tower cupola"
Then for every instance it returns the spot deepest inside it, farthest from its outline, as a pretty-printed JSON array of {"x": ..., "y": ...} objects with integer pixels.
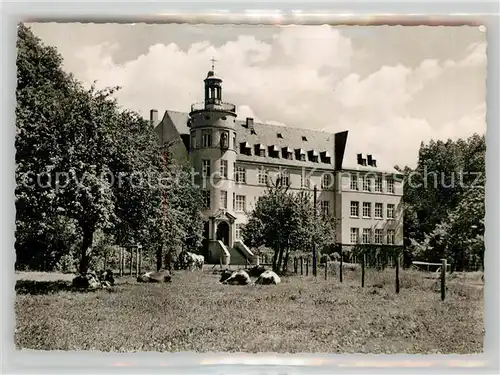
[{"x": 213, "y": 95}]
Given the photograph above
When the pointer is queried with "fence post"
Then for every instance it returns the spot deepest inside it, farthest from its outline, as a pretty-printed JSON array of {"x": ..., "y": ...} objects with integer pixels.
[
  {"x": 397, "y": 274},
  {"x": 443, "y": 279},
  {"x": 295, "y": 265},
  {"x": 326, "y": 270},
  {"x": 307, "y": 266},
  {"x": 301, "y": 265},
  {"x": 341, "y": 266},
  {"x": 363, "y": 262},
  {"x": 137, "y": 261},
  {"x": 122, "y": 261}
]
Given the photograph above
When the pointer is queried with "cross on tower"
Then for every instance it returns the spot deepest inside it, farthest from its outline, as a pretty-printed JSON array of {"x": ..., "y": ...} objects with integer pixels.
[{"x": 213, "y": 62}]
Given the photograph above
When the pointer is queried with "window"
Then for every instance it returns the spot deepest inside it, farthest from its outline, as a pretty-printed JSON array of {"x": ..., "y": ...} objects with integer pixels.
[
  {"x": 223, "y": 168},
  {"x": 239, "y": 231},
  {"x": 390, "y": 211},
  {"x": 325, "y": 207},
  {"x": 390, "y": 185},
  {"x": 205, "y": 169},
  {"x": 378, "y": 236},
  {"x": 354, "y": 235},
  {"x": 304, "y": 139},
  {"x": 279, "y": 135},
  {"x": 224, "y": 140},
  {"x": 262, "y": 176},
  {"x": 240, "y": 174},
  {"x": 378, "y": 184},
  {"x": 379, "y": 207},
  {"x": 260, "y": 150},
  {"x": 240, "y": 203},
  {"x": 284, "y": 178},
  {"x": 234, "y": 141},
  {"x": 223, "y": 199},
  {"x": 206, "y": 199},
  {"x": 354, "y": 209},
  {"x": 207, "y": 138},
  {"x": 367, "y": 209},
  {"x": 366, "y": 183},
  {"x": 234, "y": 201},
  {"x": 193, "y": 141},
  {"x": 305, "y": 181},
  {"x": 354, "y": 182},
  {"x": 326, "y": 181},
  {"x": 367, "y": 234},
  {"x": 390, "y": 236}
]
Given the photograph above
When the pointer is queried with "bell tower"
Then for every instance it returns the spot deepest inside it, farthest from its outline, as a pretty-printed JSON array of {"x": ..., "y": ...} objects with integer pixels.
[{"x": 213, "y": 156}]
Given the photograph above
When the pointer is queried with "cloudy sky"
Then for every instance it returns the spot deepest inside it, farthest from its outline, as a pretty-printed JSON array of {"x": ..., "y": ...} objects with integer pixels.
[{"x": 391, "y": 87}]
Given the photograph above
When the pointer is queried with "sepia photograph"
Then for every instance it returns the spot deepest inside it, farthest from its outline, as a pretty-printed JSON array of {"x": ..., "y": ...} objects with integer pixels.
[{"x": 250, "y": 188}]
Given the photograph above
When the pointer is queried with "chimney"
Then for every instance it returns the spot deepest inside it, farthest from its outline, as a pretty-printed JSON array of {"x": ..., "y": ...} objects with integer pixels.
[
  {"x": 250, "y": 123},
  {"x": 153, "y": 117},
  {"x": 370, "y": 160}
]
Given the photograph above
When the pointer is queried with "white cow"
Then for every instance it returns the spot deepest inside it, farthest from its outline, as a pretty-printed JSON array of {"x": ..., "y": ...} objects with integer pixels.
[
  {"x": 268, "y": 278},
  {"x": 193, "y": 261}
]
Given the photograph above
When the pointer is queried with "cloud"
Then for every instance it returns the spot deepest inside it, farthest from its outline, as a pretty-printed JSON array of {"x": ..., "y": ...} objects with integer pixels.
[{"x": 305, "y": 77}]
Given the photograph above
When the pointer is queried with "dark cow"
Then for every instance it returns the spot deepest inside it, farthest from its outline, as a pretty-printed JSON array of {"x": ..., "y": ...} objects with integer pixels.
[
  {"x": 107, "y": 277},
  {"x": 239, "y": 277},
  {"x": 256, "y": 271},
  {"x": 87, "y": 280}
]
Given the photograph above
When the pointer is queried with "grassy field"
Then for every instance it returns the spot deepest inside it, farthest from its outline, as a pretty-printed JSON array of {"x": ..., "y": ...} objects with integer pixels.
[{"x": 303, "y": 314}]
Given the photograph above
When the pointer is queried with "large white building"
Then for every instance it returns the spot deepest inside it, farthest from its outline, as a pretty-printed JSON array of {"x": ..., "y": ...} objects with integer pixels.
[{"x": 234, "y": 160}]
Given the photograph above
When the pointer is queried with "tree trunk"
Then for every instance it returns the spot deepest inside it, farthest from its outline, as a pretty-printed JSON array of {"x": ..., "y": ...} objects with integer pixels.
[
  {"x": 285, "y": 263},
  {"x": 275, "y": 260},
  {"x": 88, "y": 236},
  {"x": 159, "y": 258},
  {"x": 280, "y": 259}
]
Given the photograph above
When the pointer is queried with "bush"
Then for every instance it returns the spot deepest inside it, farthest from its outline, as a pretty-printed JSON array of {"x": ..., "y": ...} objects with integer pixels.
[{"x": 67, "y": 264}]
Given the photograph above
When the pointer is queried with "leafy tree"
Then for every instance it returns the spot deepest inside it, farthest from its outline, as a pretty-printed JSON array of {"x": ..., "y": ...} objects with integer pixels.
[
  {"x": 285, "y": 222},
  {"x": 93, "y": 163}
]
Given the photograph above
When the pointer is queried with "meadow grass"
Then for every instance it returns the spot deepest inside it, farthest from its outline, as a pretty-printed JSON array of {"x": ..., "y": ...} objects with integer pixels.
[{"x": 303, "y": 314}]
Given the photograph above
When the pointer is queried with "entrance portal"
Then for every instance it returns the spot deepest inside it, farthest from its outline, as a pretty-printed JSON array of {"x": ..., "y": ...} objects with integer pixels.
[{"x": 223, "y": 233}]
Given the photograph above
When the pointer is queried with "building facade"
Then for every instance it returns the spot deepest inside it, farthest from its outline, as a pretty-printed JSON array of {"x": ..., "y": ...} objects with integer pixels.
[{"x": 235, "y": 160}]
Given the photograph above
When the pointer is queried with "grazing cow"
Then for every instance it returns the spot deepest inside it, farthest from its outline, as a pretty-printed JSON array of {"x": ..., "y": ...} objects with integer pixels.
[
  {"x": 162, "y": 276},
  {"x": 239, "y": 277},
  {"x": 191, "y": 261},
  {"x": 268, "y": 278}
]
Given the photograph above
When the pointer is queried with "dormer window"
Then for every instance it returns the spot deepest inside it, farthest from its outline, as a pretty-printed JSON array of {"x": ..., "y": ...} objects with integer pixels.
[
  {"x": 361, "y": 160},
  {"x": 287, "y": 153},
  {"x": 260, "y": 150},
  {"x": 300, "y": 154},
  {"x": 274, "y": 151},
  {"x": 313, "y": 156},
  {"x": 304, "y": 139},
  {"x": 245, "y": 149},
  {"x": 325, "y": 157},
  {"x": 279, "y": 135},
  {"x": 371, "y": 161},
  {"x": 224, "y": 140}
]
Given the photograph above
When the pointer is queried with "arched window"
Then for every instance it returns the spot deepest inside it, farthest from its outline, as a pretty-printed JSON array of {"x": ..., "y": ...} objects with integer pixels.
[{"x": 224, "y": 141}]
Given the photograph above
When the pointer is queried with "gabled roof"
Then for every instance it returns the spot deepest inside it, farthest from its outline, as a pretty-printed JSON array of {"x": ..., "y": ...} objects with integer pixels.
[{"x": 267, "y": 135}]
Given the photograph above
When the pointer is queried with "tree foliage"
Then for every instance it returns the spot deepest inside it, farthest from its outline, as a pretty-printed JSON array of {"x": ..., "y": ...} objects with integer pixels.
[
  {"x": 285, "y": 222},
  {"x": 444, "y": 202},
  {"x": 84, "y": 161}
]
